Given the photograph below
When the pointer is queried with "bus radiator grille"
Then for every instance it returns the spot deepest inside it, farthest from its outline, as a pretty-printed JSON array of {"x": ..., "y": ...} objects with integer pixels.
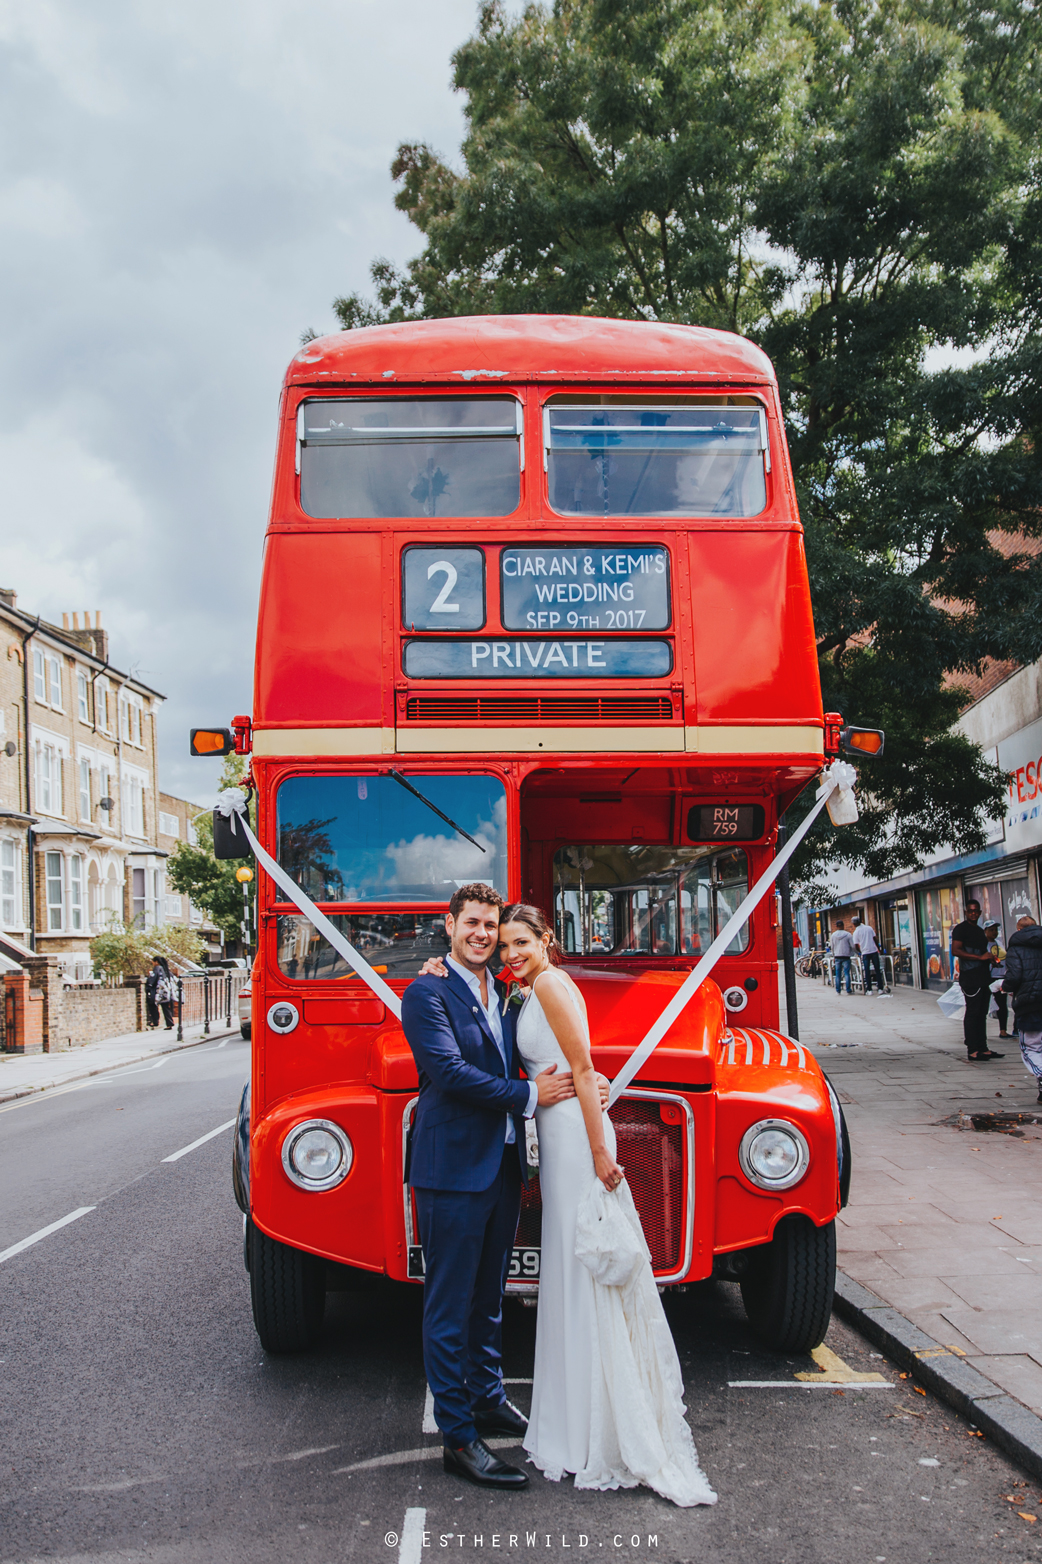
[
  {"x": 653, "y": 1155},
  {"x": 538, "y": 708}
]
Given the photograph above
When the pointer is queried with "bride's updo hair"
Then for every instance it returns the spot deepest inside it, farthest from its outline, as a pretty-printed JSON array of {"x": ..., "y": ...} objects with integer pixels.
[{"x": 535, "y": 920}]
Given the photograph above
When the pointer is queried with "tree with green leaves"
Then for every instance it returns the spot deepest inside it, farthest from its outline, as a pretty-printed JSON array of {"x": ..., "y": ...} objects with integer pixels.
[
  {"x": 210, "y": 882},
  {"x": 855, "y": 185},
  {"x": 125, "y": 950}
]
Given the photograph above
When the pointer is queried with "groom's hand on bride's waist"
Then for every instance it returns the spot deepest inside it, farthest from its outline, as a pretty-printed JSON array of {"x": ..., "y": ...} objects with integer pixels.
[{"x": 554, "y": 1086}]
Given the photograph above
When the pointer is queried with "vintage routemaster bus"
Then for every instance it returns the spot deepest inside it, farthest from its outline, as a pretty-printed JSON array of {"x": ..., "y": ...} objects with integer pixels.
[{"x": 534, "y": 611}]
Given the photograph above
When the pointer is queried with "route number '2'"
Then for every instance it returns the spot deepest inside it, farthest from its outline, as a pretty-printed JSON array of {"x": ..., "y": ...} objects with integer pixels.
[{"x": 441, "y": 604}]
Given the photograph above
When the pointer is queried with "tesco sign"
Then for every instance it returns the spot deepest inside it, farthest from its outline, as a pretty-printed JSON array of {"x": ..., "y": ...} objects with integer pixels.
[{"x": 1020, "y": 756}]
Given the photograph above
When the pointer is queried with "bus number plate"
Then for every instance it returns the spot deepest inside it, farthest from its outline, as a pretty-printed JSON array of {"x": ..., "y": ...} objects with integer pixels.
[
  {"x": 726, "y": 823},
  {"x": 524, "y": 1264}
]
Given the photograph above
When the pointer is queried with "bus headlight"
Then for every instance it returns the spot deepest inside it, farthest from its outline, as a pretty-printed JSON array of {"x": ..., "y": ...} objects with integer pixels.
[
  {"x": 282, "y": 1016},
  {"x": 774, "y": 1154},
  {"x": 317, "y": 1155}
]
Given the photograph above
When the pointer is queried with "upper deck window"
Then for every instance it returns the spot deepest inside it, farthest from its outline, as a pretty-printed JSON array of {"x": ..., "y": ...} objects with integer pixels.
[
  {"x": 392, "y": 457},
  {"x": 606, "y": 458},
  {"x": 371, "y": 839}
]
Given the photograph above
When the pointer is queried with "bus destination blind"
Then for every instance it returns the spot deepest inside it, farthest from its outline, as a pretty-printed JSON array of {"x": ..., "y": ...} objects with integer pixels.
[
  {"x": 443, "y": 588},
  {"x": 725, "y": 823},
  {"x": 535, "y": 658},
  {"x": 611, "y": 586}
]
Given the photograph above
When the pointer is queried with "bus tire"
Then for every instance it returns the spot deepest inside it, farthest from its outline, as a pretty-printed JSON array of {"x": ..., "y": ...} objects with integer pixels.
[
  {"x": 288, "y": 1293},
  {"x": 789, "y": 1286}
]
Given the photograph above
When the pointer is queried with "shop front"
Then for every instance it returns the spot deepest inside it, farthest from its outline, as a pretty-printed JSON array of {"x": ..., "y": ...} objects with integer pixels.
[
  {"x": 940, "y": 909},
  {"x": 895, "y": 932}
]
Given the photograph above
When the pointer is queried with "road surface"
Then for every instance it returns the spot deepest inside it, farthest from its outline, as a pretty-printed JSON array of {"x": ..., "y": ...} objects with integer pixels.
[{"x": 142, "y": 1421}]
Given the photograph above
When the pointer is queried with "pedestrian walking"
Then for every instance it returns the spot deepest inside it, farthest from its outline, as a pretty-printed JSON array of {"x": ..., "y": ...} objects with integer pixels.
[
  {"x": 164, "y": 993},
  {"x": 970, "y": 947},
  {"x": 998, "y": 974},
  {"x": 864, "y": 937},
  {"x": 151, "y": 984},
  {"x": 842, "y": 947},
  {"x": 1024, "y": 981}
]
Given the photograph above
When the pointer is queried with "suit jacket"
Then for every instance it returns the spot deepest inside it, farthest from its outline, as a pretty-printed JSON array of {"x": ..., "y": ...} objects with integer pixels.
[{"x": 459, "y": 1128}]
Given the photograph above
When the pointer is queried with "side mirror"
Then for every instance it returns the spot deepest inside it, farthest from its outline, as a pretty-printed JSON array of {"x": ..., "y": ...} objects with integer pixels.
[
  {"x": 861, "y": 741},
  {"x": 212, "y": 741},
  {"x": 226, "y": 843}
]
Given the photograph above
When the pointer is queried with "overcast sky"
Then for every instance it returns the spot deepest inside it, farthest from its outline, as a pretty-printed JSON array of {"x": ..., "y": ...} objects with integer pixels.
[{"x": 184, "y": 189}]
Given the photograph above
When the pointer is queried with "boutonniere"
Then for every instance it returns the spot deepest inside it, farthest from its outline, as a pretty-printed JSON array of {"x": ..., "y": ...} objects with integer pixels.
[{"x": 513, "y": 994}]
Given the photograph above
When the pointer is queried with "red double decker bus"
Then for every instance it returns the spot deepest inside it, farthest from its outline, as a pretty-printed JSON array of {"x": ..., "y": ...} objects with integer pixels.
[{"x": 534, "y": 611}]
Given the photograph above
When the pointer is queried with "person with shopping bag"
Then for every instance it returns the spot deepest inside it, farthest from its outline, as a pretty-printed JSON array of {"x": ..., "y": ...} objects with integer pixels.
[{"x": 1024, "y": 981}]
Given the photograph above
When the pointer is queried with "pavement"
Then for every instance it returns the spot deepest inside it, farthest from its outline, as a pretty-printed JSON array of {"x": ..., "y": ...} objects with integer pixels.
[
  {"x": 943, "y": 1222},
  {"x": 21, "y": 1075},
  {"x": 143, "y": 1424}
]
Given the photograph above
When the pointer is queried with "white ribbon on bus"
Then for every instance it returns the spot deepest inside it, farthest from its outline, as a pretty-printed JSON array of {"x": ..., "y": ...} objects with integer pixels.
[{"x": 232, "y": 803}]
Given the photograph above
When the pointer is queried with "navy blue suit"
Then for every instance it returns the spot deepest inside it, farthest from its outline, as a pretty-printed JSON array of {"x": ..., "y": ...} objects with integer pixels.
[{"x": 468, "y": 1191}]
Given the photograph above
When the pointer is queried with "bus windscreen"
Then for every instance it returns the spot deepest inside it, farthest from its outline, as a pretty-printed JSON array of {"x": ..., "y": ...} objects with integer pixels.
[
  {"x": 620, "y": 900},
  {"x": 654, "y": 459},
  {"x": 395, "y": 944},
  {"x": 358, "y": 839},
  {"x": 393, "y": 457}
]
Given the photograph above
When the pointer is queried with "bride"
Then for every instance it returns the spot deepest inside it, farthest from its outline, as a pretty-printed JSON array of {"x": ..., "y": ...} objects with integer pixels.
[{"x": 607, "y": 1400}]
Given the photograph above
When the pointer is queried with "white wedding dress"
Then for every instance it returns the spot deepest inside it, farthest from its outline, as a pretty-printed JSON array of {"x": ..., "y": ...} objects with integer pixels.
[{"x": 607, "y": 1398}]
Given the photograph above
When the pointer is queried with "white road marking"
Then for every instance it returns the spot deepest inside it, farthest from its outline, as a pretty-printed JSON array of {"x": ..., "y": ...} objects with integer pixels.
[
  {"x": 121, "y": 1487},
  {"x": 116, "y": 1076},
  {"x": 222, "y": 1045},
  {"x": 809, "y": 1384},
  {"x": 45, "y": 1232},
  {"x": 300, "y": 1455},
  {"x": 176, "y": 1155},
  {"x": 43, "y": 1096},
  {"x": 407, "y": 1457},
  {"x": 410, "y": 1548},
  {"x": 518, "y": 1382}
]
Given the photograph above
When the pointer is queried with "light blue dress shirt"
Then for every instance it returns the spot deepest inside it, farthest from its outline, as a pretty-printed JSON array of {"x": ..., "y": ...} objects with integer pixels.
[{"x": 495, "y": 1023}]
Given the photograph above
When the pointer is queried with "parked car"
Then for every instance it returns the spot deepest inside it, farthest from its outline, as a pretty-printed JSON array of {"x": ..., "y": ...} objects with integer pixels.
[{"x": 245, "y": 1008}]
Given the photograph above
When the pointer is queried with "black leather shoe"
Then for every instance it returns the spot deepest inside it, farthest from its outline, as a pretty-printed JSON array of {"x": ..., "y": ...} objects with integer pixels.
[
  {"x": 478, "y": 1465},
  {"x": 503, "y": 1419}
]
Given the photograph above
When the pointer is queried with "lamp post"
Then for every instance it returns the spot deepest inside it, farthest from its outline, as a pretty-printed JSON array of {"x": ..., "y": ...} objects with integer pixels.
[{"x": 244, "y": 875}]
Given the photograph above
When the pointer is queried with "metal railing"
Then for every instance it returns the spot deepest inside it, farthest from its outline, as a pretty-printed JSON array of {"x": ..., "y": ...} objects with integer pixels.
[
  {"x": 209, "y": 999},
  {"x": 857, "y": 975}
]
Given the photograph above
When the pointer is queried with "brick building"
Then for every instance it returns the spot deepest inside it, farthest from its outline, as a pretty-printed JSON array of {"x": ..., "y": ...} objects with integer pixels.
[
  {"x": 80, "y": 830},
  {"x": 176, "y": 817}
]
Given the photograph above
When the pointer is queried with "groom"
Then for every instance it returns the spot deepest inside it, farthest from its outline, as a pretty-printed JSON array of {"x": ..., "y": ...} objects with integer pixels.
[{"x": 467, "y": 1164}]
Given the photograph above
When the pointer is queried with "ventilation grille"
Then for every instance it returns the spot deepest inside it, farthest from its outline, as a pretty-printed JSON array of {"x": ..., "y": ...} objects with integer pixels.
[
  {"x": 451, "y": 709},
  {"x": 652, "y": 1153}
]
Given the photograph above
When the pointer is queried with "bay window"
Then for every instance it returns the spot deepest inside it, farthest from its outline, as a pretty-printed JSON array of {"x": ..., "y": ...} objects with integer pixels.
[
  {"x": 76, "y": 892},
  {"x": 55, "y": 885},
  {"x": 10, "y": 884}
]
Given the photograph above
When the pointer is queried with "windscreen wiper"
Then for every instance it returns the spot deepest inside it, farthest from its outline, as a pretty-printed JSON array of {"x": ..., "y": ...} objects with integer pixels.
[{"x": 417, "y": 794}]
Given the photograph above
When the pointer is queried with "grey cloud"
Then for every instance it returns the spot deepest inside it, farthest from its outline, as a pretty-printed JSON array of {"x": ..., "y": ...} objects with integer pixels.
[{"x": 182, "y": 191}]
